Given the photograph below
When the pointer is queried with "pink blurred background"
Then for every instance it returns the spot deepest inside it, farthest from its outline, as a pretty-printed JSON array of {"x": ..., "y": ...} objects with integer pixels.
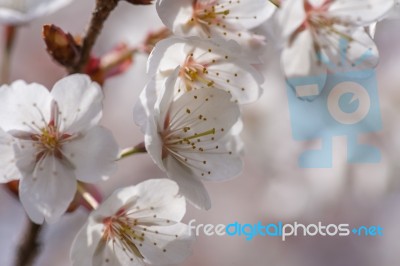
[{"x": 272, "y": 187}]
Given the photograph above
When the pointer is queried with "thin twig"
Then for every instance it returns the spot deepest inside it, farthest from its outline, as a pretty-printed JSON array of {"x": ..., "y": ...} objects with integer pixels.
[
  {"x": 29, "y": 247},
  {"x": 100, "y": 14},
  {"x": 10, "y": 33}
]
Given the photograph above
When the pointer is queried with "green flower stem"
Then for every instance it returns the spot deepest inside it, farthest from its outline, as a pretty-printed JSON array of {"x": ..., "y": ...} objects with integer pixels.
[{"x": 131, "y": 151}]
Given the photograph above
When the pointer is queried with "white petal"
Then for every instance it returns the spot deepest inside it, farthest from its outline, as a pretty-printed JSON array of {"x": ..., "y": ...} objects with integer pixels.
[
  {"x": 162, "y": 195},
  {"x": 174, "y": 13},
  {"x": 207, "y": 156},
  {"x": 166, "y": 56},
  {"x": 203, "y": 110},
  {"x": 235, "y": 144},
  {"x": 232, "y": 17},
  {"x": 165, "y": 99},
  {"x": 299, "y": 58},
  {"x": 8, "y": 168},
  {"x": 291, "y": 15},
  {"x": 221, "y": 164},
  {"x": 227, "y": 70},
  {"x": 362, "y": 51},
  {"x": 24, "y": 11},
  {"x": 93, "y": 155},
  {"x": 153, "y": 142},
  {"x": 12, "y": 17},
  {"x": 24, "y": 107},
  {"x": 248, "y": 14},
  {"x": 79, "y": 101},
  {"x": 47, "y": 6},
  {"x": 341, "y": 55},
  {"x": 145, "y": 105},
  {"x": 252, "y": 44},
  {"x": 155, "y": 120},
  {"x": 173, "y": 244},
  {"x": 237, "y": 79},
  {"x": 395, "y": 12},
  {"x": 189, "y": 185},
  {"x": 85, "y": 244},
  {"x": 154, "y": 196},
  {"x": 361, "y": 12},
  {"x": 115, "y": 254},
  {"x": 47, "y": 192}
]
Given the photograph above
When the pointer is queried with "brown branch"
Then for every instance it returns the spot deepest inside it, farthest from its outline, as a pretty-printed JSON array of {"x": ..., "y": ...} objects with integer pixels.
[
  {"x": 29, "y": 246},
  {"x": 100, "y": 14}
]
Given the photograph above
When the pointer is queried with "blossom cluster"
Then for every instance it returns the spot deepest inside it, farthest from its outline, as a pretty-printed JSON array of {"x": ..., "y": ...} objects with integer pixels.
[{"x": 189, "y": 113}]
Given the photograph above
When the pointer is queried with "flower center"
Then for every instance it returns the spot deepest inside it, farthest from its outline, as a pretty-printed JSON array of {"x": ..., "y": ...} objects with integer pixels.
[
  {"x": 183, "y": 138},
  {"x": 120, "y": 228},
  {"x": 192, "y": 72},
  {"x": 49, "y": 138},
  {"x": 320, "y": 23},
  {"x": 49, "y": 141},
  {"x": 207, "y": 13}
]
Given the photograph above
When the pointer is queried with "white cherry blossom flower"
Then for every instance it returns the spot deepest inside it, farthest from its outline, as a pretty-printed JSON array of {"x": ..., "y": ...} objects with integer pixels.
[
  {"x": 206, "y": 64},
  {"x": 326, "y": 35},
  {"x": 395, "y": 12},
  {"x": 21, "y": 11},
  {"x": 192, "y": 138},
  {"x": 136, "y": 225},
  {"x": 51, "y": 140},
  {"x": 231, "y": 20}
]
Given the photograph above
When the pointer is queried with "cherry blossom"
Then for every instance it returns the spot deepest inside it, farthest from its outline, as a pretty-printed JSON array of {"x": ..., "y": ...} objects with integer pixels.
[
  {"x": 51, "y": 140},
  {"x": 21, "y": 11},
  {"x": 192, "y": 138},
  {"x": 324, "y": 35},
  {"x": 206, "y": 64},
  {"x": 136, "y": 225},
  {"x": 395, "y": 12},
  {"x": 225, "y": 19}
]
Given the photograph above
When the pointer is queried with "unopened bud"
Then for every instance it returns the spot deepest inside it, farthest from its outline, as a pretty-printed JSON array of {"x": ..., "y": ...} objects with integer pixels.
[
  {"x": 61, "y": 46},
  {"x": 111, "y": 64},
  {"x": 154, "y": 37}
]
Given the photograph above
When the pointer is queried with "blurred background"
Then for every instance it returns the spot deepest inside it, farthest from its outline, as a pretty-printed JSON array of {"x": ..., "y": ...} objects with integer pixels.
[{"x": 272, "y": 187}]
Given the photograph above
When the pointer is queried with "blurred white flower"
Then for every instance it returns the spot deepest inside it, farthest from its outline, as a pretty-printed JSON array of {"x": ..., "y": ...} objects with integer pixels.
[
  {"x": 395, "y": 13},
  {"x": 21, "y": 11},
  {"x": 49, "y": 140},
  {"x": 134, "y": 226},
  {"x": 225, "y": 19},
  {"x": 315, "y": 30},
  {"x": 192, "y": 138},
  {"x": 206, "y": 64}
]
